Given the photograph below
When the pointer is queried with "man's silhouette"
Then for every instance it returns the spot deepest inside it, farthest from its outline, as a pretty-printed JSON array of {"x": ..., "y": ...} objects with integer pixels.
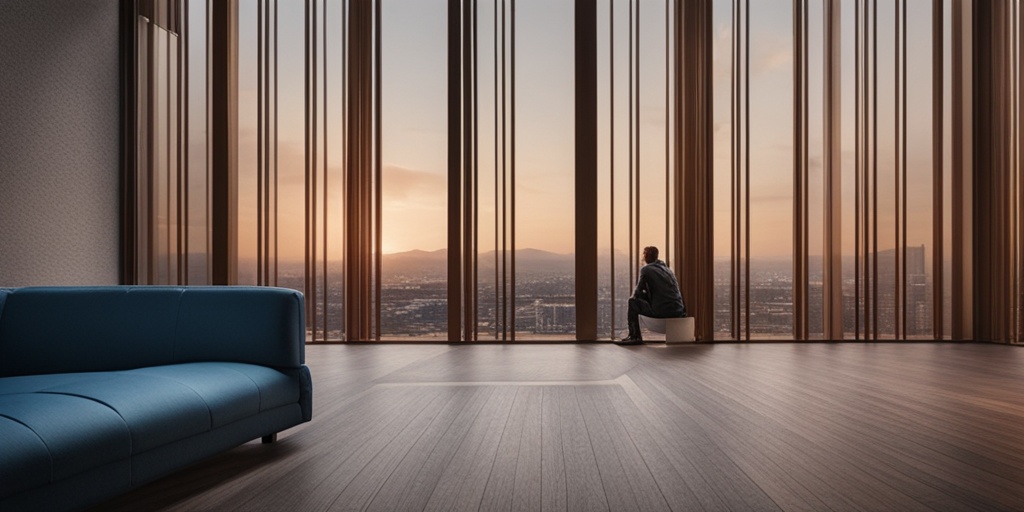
[{"x": 656, "y": 296}]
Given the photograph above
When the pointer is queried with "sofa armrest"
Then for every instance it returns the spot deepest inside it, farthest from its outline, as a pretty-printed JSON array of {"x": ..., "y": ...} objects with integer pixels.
[{"x": 256, "y": 325}]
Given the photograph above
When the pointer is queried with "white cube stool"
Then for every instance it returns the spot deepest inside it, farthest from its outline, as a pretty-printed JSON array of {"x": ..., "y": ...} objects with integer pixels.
[
  {"x": 676, "y": 330},
  {"x": 679, "y": 330}
]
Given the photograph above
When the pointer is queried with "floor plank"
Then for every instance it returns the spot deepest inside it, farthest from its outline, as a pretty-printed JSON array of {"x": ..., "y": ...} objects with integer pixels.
[
  {"x": 356, "y": 493},
  {"x": 613, "y": 444},
  {"x": 415, "y": 478},
  {"x": 921, "y": 426},
  {"x": 527, "y": 489},
  {"x": 584, "y": 490},
  {"x": 462, "y": 483},
  {"x": 553, "y": 487}
]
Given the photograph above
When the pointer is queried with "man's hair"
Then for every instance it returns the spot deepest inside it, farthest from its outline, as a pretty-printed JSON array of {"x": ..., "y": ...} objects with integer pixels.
[{"x": 650, "y": 254}]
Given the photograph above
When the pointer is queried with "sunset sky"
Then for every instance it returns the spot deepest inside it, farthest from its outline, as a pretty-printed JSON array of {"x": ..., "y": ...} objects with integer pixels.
[{"x": 415, "y": 133}]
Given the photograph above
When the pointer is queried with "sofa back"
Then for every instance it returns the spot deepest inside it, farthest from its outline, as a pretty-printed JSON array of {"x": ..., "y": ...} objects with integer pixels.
[{"x": 84, "y": 329}]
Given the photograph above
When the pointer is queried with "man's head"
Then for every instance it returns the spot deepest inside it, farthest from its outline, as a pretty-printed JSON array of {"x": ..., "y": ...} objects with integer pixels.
[{"x": 650, "y": 254}]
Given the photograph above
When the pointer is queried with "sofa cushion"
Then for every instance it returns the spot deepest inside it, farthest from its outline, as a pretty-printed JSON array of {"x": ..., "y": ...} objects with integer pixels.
[
  {"x": 87, "y": 329},
  {"x": 229, "y": 395},
  {"x": 157, "y": 410},
  {"x": 227, "y": 392},
  {"x": 78, "y": 434},
  {"x": 276, "y": 388},
  {"x": 26, "y": 460},
  {"x": 36, "y": 383},
  {"x": 231, "y": 390}
]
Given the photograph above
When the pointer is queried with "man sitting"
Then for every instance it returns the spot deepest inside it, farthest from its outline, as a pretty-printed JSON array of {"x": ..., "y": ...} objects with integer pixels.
[{"x": 656, "y": 296}]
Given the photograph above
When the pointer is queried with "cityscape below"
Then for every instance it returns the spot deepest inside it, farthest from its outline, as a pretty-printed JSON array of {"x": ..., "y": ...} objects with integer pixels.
[{"x": 415, "y": 286}]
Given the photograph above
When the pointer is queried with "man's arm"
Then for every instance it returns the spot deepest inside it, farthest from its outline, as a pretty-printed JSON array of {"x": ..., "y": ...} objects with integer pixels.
[{"x": 642, "y": 288}]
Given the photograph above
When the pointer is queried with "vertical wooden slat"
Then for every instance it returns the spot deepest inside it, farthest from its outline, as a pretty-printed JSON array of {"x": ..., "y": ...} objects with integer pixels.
[
  {"x": 694, "y": 169},
  {"x": 314, "y": 274},
  {"x": 499, "y": 328},
  {"x": 270, "y": 105},
  {"x": 636, "y": 154},
  {"x": 938, "y": 157},
  {"x": 308, "y": 281},
  {"x": 611, "y": 155},
  {"x": 468, "y": 175},
  {"x": 803, "y": 199},
  {"x": 325, "y": 311},
  {"x": 1018, "y": 191},
  {"x": 800, "y": 274},
  {"x": 208, "y": 160},
  {"x": 512, "y": 166},
  {"x": 862, "y": 166},
  {"x": 346, "y": 174},
  {"x": 270, "y": 143},
  {"x": 149, "y": 153},
  {"x": 454, "y": 170},
  {"x": 171, "y": 165},
  {"x": 129, "y": 127},
  {"x": 260, "y": 143},
  {"x": 475, "y": 283},
  {"x": 631, "y": 149},
  {"x": 378, "y": 180},
  {"x": 1012, "y": 206},
  {"x": 734, "y": 246},
  {"x": 586, "y": 169},
  {"x": 873, "y": 213},
  {"x": 858, "y": 171},
  {"x": 962, "y": 165},
  {"x": 504, "y": 180},
  {"x": 223, "y": 135},
  {"x": 746, "y": 168},
  {"x": 991, "y": 240},
  {"x": 360, "y": 173},
  {"x": 667, "y": 253},
  {"x": 275, "y": 146},
  {"x": 903, "y": 165},
  {"x": 898, "y": 248},
  {"x": 832, "y": 291},
  {"x": 182, "y": 145},
  {"x": 1010, "y": 182}
]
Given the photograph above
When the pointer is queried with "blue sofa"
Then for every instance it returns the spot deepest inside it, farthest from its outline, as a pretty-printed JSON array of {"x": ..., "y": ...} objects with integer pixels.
[{"x": 103, "y": 389}]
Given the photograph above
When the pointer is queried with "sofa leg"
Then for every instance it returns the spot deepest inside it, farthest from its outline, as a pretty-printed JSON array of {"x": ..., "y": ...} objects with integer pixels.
[{"x": 272, "y": 438}]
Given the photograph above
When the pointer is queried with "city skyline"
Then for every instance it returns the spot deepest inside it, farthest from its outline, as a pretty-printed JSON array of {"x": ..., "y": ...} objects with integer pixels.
[{"x": 414, "y": 299}]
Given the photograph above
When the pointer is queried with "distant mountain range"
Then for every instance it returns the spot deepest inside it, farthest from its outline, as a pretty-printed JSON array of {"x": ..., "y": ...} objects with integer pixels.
[
  {"x": 419, "y": 262},
  {"x": 432, "y": 262},
  {"x": 534, "y": 261}
]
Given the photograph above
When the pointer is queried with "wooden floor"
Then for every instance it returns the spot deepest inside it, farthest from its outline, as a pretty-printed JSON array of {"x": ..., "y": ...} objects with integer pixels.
[{"x": 602, "y": 427}]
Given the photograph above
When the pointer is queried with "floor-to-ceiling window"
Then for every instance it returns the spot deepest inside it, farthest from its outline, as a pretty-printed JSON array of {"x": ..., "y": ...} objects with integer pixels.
[
  {"x": 833, "y": 171},
  {"x": 410, "y": 165}
]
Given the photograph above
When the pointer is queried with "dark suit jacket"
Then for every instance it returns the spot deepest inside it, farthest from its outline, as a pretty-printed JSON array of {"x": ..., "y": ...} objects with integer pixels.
[{"x": 657, "y": 285}]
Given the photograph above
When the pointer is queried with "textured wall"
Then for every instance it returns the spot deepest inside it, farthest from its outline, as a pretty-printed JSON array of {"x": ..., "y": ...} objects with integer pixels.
[{"x": 59, "y": 142}]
